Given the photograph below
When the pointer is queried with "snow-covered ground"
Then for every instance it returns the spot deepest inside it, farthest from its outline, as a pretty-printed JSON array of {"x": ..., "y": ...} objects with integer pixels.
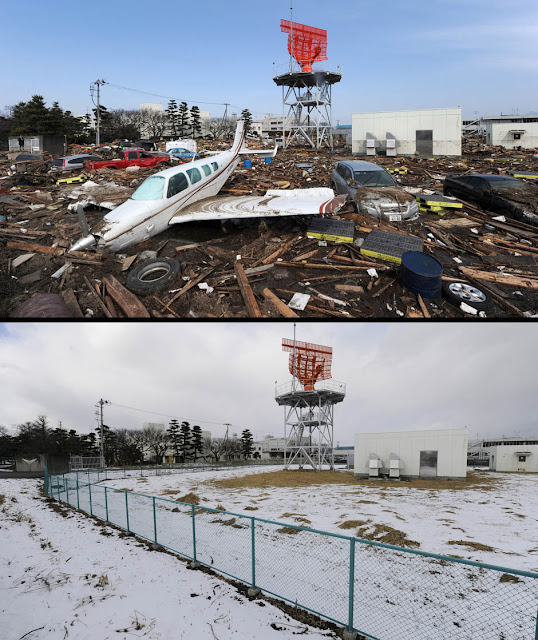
[
  {"x": 65, "y": 577},
  {"x": 503, "y": 515}
]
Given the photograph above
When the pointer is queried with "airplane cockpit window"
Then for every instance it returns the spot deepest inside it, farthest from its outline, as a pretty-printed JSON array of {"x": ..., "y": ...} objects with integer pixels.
[
  {"x": 215, "y": 165},
  {"x": 207, "y": 169},
  {"x": 177, "y": 183},
  {"x": 151, "y": 189},
  {"x": 194, "y": 175}
]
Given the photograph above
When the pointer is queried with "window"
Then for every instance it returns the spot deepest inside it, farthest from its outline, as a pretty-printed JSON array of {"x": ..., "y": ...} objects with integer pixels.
[
  {"x": 374, "y": 178},
  {"x": 522, "y": 458},
  {"x": 207, "y": 169},
  {"x": 145, "y": 155},
  {"x": 151, "y": 189},
  {"x": 76, "y": 161},
  {"x": 132, "y": 155},
  {"x": 194, "y": 175},
  {"x": 478, "y": 183},
  {"x": 215, "y": 165},
  {"x": 176, "y": 184}
]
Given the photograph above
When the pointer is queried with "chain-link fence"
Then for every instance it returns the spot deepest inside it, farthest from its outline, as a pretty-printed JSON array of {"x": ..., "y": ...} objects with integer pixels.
[{"x": 381, "y": 591}]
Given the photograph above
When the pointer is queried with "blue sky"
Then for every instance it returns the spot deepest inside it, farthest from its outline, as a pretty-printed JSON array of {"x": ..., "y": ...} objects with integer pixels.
[{"x": 481, "y": 55}]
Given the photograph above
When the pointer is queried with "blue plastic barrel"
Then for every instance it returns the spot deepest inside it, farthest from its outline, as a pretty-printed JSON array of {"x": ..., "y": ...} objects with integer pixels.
[
  {"x": 421, "y": 274},
  {"x": 268, "y": 160},
  {"x": 248, "y": 164}
]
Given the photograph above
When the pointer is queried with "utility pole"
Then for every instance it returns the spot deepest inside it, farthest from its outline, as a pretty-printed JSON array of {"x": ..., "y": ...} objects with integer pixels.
[
  {"x": 227, "y": 425},
  {"x": 102, "y": 402},
  {"x": 98, "y": 132}
]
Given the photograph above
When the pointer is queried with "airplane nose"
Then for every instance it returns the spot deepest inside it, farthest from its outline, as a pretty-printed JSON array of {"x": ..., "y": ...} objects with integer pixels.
[{"x": 83, "y": 243}]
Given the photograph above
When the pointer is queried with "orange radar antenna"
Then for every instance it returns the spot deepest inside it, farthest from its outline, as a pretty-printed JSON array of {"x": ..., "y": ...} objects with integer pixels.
[
  {"x": 308, "y": 362},
  {"x": 306, "y": 44}
]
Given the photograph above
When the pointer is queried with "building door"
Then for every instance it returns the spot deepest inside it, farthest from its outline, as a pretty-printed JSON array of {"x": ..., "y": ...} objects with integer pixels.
[
  {"x": 522, "y": 463},
  {"x": 428, "y": 464},
  {"x": 424, "y": 142}
]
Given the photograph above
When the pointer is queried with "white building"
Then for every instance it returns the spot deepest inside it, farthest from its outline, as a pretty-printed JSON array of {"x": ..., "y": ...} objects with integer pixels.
[
  {"x": 512, "y": 131},
  {"x": 426, "y": 132},
  {"x": 513, "y": 454},
  {"x": 440, "y": 453}
]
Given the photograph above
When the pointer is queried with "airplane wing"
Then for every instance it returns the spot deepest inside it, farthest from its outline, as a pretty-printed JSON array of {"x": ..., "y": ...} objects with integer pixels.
[
  {"x": 275, "y": 203},
  {"x": 265, "y": 152}
]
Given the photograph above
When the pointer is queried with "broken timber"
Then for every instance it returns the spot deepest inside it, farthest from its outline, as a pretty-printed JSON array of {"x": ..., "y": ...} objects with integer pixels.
[{"x": 126, "y": 301}]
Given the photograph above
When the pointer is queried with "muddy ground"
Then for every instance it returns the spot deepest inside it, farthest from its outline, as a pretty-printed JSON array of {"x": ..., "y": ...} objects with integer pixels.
[{"x": 36, "y": 213}]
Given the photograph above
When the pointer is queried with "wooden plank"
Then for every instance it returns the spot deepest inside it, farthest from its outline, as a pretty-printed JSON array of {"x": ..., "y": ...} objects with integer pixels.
[
  {"x": 305, "y": 256},
  {"x": 502, "y": 278},
  {"x": 110, "y": 306},
  {"x": 497, "y": 297},
  {"x": 184, "y": 247},
  {"x": 126, "y": 301},
  {"x": 36, "y": 248},
  {"x": 246, "y": 292},
  {"x": 334, "y": 267},
  {"x": 191, "y": 284},
  {"x": 423, "y": 306},
  {"x": 514, "y": 261},
  {"x": 71, "y": 303},
  {"x": 349, "y": 288},
  {"x": 128, "y": 261},
  {"x": 279, "y": 305},
  {"x": 94, "y": 293},
  {"x": 384, "y": 287}
]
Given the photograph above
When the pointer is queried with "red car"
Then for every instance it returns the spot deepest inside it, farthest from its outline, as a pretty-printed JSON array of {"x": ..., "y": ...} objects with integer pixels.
[{"x": 129, "y": 158}]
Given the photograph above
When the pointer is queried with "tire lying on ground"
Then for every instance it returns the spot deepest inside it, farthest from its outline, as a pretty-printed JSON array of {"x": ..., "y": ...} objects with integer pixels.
[
  {"x": 458, "y": 292},
  {"x": 152, "y": 275}
]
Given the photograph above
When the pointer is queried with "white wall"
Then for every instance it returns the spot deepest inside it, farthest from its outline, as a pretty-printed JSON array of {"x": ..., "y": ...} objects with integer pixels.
[
  {"x": 505, "y": 458},
  {"x": 445, "y": 124},
  {"x": 451, "y": 445},
  {"x": 498, "y": 133}
]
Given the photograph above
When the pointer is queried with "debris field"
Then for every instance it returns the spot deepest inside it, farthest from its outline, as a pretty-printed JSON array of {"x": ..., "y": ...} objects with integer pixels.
[{"x": 254, "y": 268}]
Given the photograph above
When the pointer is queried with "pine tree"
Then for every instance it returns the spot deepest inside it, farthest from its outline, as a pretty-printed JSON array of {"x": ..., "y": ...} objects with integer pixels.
[
  {"x": 247, "y": 117},
  {"x": 56, "y": 120},
  {"x": 175, "y": 438},
  {"x": 185, "y": 440},
  {"x": 197, "y": 441},
  {"x": 172, "y": 117},
  {"x": 196, "y": 122},
  {"x": 247, "y": 443},
  {"x": 184, "y": 118}
]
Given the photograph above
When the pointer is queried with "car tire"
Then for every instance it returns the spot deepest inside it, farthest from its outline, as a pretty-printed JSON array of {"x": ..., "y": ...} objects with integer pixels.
[
  {"x": 458, "y": 292},
  {"x": 333, "y": 186},
  {"x": 152, "y": 275}
]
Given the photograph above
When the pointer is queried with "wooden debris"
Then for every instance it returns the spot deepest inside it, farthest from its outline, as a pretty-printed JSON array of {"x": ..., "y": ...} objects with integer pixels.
[
  {"x": 30, "y": 278},
  {"x": 72, "y": 304},
  {"x": 128, "y": 261},
  {"x": 190, "y": 284},
  {"x": 279, "y": 305},
  {"x": 246, "y": 292},
  {"x": 97, "y": 297},
  {"x": 36, "y": 248},
  {"x": 126, "y": 301},
  {"x": 349, "y": 288},
  {"x": 16, "y": 262},
  {"x": 502, "y": 278},
  {"x": 384, "y": 287},
  {"x": 423, "y": 306}
]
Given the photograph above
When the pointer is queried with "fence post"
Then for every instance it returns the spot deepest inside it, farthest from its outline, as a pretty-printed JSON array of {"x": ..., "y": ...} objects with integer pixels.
[
  {"x": 66, "y": 484},
  {"x": 58, "y": 487},
  {"x": 351, "y": 583},
  {"x": 154, "y": 520},
  {"x": 127, "y": 510},
  {"x": 45, "y": 479},
  {"x": 90, "y": 494},
  {"x": 106, "y": 505},
  {"x": 193, "y": 534},
  {"x": 63, "y": 482},
  {"x": 78, "y": 500},
  {"x": 252, "y": 529}
]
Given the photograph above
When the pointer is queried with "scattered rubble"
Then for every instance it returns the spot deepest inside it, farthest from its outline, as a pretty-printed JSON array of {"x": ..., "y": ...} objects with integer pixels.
[{"x": 268, "y": 268}]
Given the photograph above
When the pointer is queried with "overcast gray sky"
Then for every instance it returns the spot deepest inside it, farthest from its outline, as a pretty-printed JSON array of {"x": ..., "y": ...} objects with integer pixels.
[{"x": 398, "y": 376}]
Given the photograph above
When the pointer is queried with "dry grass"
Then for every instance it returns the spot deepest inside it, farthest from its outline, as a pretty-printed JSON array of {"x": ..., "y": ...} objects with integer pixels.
[
  {"x": 508, "y": 577},
  {"x": 190, "y": 498},
  {"x": 477, "y": 546},
  {"x": 289, "y": 530},
  {"x": 251, "y": 509},
  {"x": 2, "y": 499},
  {"x": 352, "y": 524},
  {"x": 219, "y": 507},
  {"x": 386, "y": 534}
]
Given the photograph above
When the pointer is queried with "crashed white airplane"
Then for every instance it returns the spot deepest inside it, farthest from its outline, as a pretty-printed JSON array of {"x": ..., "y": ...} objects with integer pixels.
[{"x": 187, "y": 192}]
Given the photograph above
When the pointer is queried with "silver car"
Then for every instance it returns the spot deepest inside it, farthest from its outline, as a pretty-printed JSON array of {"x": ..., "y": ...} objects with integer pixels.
[
  {"x": 372, "y": 190},
  {"x": 67, "y": 163}
]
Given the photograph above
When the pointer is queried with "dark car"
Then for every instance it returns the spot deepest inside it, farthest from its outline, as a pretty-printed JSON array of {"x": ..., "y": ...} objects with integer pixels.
[
  {"x": 372, "y": 190},
  {"x": 501, "y": 194}
]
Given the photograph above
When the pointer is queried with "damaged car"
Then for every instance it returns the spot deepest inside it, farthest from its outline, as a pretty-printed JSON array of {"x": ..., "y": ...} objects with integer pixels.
[
  {"x": 497, "y": 193},
  {"x": 372, "y": 190}
]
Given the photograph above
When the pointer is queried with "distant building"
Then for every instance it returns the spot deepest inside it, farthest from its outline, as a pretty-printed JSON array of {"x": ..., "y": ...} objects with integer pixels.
[
  {"x": 56, "y": 144},
  {"x": 512, "y": 131},
  {"x": 424, "y": 132},
  {"x": 440, "y": 453},
  {"x": 513, "y": 454}
]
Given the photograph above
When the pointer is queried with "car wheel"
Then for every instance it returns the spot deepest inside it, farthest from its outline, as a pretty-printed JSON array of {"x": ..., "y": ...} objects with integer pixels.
[
  {"x": 152, "y": 275},
  {"x": 458, "y": 292},
  {"x": 333, "y": 186}
]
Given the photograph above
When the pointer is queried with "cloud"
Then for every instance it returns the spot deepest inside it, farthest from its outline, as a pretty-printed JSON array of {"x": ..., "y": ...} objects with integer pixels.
[{"x": 398, "y": 376}]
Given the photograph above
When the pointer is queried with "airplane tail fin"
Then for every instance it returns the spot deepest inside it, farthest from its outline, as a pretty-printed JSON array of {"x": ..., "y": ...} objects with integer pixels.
[{"x": 239, "y": 136}]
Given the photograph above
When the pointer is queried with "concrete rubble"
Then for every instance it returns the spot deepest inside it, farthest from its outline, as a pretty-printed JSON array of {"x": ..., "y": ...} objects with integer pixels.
[{"x": 255, "y": 268}]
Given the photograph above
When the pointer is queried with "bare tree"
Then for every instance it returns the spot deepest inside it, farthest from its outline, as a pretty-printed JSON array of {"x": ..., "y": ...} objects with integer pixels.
[
  {"x": 129, "y": 446},
  {"x": 126, "y": 123},
  {"x": 157, "y": 441},
  {"x": 217, "y": 447},
  {"x": 154, "y": 123}
]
